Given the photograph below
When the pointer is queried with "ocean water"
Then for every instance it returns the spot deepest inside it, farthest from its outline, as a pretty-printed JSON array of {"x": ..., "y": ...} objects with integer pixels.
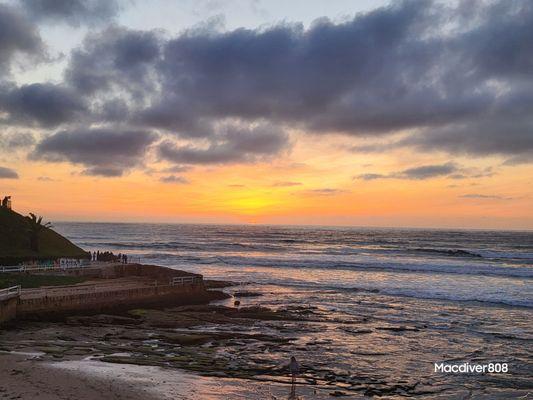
[
  {"x": 386, "y": 304},
  {"x": 483, "y": 266}
]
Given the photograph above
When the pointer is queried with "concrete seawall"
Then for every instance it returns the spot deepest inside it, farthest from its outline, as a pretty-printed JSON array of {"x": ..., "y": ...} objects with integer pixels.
[
  {"x": 118, "y": 287},
  {"x": 117, "y": 270},
  {"x": 8, "y": 309},
  {"x": 112, "y": 300}
]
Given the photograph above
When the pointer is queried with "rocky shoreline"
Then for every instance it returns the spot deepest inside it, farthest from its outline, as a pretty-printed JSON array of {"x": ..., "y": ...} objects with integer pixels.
[
  {"x": 250, "y": 343},
  {"x": 355, "y": 354}
]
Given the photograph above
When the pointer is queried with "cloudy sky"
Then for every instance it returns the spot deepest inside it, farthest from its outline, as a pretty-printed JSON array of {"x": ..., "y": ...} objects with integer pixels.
[{"x": 335, "y": 112}]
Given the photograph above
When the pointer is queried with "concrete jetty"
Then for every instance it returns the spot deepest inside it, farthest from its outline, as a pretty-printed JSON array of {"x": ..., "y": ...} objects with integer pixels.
[{"x": 110, "y": 287}]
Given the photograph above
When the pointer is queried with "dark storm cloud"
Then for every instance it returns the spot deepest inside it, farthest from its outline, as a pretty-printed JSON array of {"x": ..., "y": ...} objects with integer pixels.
[
  {"x": 104, "y": 152},
  {"x": 232, "y": 144},
  {"x": 42, "y": 104},
  {"x": 502, "y": 134},
  {"x": 17, "y": 35},
  {"x": 8, "y": 173},
  {"x": 387, "y": 70},
  {"x": 174, "y": 179},
  {"x": 73, "y": 12},
  {"x": 465, "y": 173},
  {"x": 285, "y": 73},
  {"x": 428, "y": 171},
  {"x": 448, "y": 170},
  {"x": 114, "y": 58},
  {"x": 114, "y": 110},
  {"x": 517, "y": 160},
  {"x": 455, "y": 78},
  {"x": 415, "y": 173},
  {"x": 370, "y": 176}
]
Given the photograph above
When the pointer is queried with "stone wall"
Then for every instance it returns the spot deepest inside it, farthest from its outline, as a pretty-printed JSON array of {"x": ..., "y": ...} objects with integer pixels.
[
  {"x": 8, "y": 309},
  {"x": 98, "y": 302},
  {"x": 117, "y": 270},
  {"x": 113, "y": 299}
]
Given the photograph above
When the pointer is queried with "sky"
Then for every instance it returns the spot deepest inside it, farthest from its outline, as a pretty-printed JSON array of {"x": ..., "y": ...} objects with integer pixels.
[{"x": 368, "y": 113}]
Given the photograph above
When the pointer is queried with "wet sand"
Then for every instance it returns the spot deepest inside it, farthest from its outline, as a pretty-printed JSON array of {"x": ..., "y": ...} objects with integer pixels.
[{"x": 24, "y": 376}]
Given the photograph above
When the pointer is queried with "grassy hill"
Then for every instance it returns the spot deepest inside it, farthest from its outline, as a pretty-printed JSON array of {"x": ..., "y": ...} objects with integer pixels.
[{"x": 15, "y": 241}]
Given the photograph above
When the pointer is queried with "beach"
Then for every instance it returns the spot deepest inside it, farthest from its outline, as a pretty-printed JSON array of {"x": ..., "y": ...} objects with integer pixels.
[
  {"x": 265, "y": 200},
  {"x": 24, "y": 377},
  {"x": 357, "y": 330},
  {"x": 207, "y": 351}
]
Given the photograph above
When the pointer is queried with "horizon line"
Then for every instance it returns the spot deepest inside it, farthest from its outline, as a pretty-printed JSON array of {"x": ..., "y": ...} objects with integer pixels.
[{"x": 528, "y": 230}]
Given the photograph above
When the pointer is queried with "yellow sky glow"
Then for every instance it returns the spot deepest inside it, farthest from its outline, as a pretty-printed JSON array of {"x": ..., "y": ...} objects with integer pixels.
[{"x": 312, "y": 184}]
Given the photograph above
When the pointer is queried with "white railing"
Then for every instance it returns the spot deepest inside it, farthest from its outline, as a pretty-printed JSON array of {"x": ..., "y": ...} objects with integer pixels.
[
  {"x": 131, "y": 260},
  {"x": 63, "y": 265},
  {"x": 44, "y": 267},
  {"x": 185, "y": 280},
  {"x": 9, "y": 292},
  {"x": 25, "y": 268}
]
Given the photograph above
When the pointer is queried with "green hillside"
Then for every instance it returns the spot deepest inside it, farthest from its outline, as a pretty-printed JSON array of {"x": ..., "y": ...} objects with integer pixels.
[{"x": 15, "y": 242}]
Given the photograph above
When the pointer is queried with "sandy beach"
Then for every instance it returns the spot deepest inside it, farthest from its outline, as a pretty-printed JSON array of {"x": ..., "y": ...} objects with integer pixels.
[{"x": 25, "y": 376}]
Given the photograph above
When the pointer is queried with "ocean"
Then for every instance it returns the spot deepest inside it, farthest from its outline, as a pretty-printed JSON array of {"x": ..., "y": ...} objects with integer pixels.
[
  {"x": 484, "y": 266},
  {"x": 387, "y": 303}
]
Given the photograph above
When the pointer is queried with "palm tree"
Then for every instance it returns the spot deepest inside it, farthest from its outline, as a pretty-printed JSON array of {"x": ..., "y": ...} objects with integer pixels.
[{"x": 36, "y": 226}]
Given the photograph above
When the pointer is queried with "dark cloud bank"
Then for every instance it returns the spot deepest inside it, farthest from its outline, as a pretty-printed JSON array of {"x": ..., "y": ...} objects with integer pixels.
[
  {"x": 458, "y": 78},
  {"x": 17, "y": 36},
  {"x": 416, "y": 173},
  {"x": 8, "y": 173},
  {"x": 102, "y": 151},
  {"x": 72, "y": 12},
  {"x": 231, "y": 144},
  {"x": 448, "y": 170}
]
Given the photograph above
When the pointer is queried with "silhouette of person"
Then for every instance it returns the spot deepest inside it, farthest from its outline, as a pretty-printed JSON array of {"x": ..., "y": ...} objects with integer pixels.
[{"x": 294, "y": 369}]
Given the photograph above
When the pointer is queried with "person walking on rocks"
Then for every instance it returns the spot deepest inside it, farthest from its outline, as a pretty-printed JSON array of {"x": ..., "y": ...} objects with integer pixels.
[{"x": 294, "y": 368}]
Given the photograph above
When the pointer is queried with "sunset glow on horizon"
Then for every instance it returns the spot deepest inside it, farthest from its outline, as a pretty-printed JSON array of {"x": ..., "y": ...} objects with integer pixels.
[{"x": 276, "y": 118}]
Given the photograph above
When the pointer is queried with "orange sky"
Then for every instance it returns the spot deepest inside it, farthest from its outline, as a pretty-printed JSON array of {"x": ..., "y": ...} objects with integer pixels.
[
  {"x": 367, "y": 113},
  {"x": 315, "y": 183}
]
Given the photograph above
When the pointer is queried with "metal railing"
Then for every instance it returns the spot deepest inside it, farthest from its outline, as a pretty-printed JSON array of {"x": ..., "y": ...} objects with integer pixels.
[
  {"x": 29, "y": 268},
  {"x": 24, "y": 268},
  {"x": 64, "y": 266},
  {"x": 9, "y": 292}
]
